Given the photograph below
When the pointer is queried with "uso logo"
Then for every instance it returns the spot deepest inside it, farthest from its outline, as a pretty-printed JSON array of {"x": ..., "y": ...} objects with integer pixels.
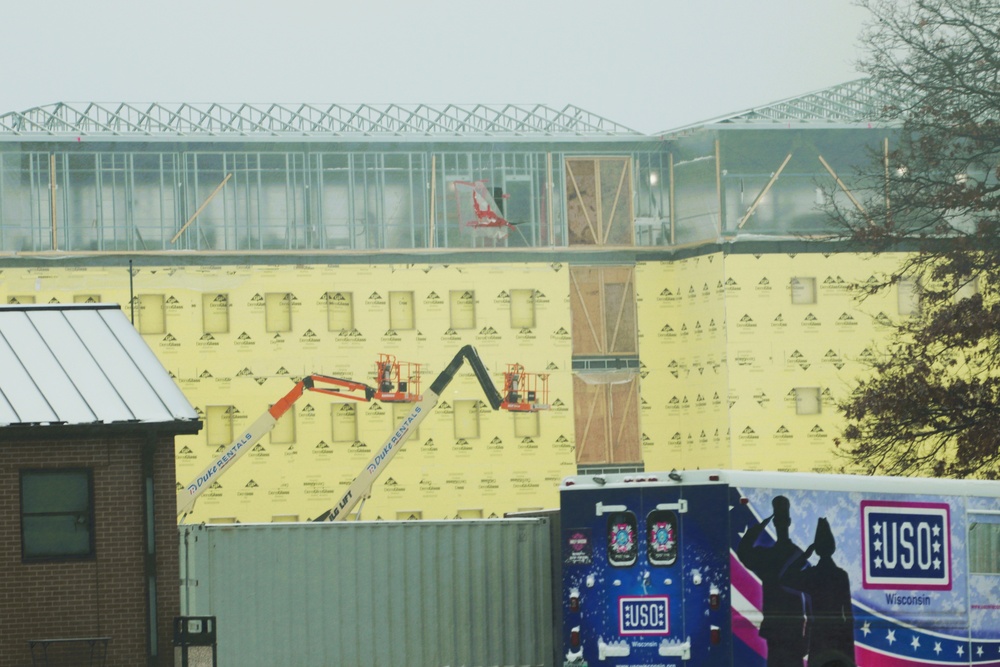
[
  {"x": 644, "y": 615},
  {"x": 905, "y": 545}
]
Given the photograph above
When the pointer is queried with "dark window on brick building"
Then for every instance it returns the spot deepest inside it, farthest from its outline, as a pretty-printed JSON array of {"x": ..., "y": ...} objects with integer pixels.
[{"x": 57, "y": 518}]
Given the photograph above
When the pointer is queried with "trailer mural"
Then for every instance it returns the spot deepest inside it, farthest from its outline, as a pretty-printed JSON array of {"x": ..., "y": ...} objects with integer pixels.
[
  {"x": 885, "y": 589},
  {"x": 704, "y": 572}
]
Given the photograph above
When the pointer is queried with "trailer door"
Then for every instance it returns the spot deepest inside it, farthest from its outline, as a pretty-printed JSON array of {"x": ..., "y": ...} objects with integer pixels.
[
  {"x": 704, "y": 554},
  {"x": 628, "y": 573},
  {"x": 653, "y": 616}
]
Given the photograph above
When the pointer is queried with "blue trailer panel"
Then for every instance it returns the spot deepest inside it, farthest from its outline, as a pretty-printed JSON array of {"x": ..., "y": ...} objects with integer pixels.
[{"x": 722, "y": 568}]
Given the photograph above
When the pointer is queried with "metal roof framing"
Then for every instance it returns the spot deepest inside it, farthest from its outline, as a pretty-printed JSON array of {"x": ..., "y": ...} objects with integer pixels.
[
  {"x": 309, "y": 120},
  {"x": 849, "y": 102},
  {"x": 859, "y": 101}
]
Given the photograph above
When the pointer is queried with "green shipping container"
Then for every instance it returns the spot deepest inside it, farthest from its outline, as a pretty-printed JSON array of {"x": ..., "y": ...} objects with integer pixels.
[{"x": 416, "y": 593}]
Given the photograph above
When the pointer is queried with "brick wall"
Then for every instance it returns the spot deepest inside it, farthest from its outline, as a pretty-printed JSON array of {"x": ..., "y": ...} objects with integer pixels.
[{"x": 105, "y": 596}]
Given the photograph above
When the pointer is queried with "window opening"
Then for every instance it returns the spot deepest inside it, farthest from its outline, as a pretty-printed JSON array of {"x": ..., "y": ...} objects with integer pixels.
[{"x": 56, "y": 514}]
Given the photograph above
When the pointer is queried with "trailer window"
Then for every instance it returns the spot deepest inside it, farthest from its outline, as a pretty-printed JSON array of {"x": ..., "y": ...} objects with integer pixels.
[
  {"x": 984, "y": 545},
  {"x": 623, "y": 539},
  {"x": 661, "y": 537}
]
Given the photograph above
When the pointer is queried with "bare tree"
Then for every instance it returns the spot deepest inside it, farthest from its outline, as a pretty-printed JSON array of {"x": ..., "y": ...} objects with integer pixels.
[{"x": 932, "y": 403}]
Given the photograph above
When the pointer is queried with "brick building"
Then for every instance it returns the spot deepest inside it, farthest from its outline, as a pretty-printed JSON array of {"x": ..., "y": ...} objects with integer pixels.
[{"x": 88, "y": 418}]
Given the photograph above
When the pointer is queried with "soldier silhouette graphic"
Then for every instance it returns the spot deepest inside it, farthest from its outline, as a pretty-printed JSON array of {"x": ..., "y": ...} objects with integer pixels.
[
  {"x": 783, "y": 623},
  {"x": 830, "y": 620}
]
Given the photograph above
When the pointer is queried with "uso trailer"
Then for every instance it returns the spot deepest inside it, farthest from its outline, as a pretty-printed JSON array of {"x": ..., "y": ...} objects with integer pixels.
[{"x": 747, "y": 569}]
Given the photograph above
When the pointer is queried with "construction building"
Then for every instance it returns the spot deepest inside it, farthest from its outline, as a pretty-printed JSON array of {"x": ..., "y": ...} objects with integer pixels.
[{"x": 679, "y": 292}]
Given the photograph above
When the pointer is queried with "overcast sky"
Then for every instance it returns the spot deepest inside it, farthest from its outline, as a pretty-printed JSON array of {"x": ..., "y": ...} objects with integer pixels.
[{"x": 648, "y": 64}]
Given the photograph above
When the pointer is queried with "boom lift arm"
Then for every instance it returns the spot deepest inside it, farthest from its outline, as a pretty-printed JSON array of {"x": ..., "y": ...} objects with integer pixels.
[
  {"x": 361, "y": 486},
  {"x": 187, "y": 496}
]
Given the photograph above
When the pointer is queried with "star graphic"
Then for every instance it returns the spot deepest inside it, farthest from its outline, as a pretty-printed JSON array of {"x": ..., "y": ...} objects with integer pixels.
[
  {"x": 937, "y": 563},
  {"x": 915, "y": 643},
  {"x": 937, "y": 647},
  {"x": 878, "y": 545},
  {"x": 961, "y": 650},
  {"x": 878, "y": 562},
  {"x": 936, "y": 546},
  {"x": 936, "y": 529},
  {"x": 979, "y": 651},
  {"x": 891, "y": 637},
  {"x": 878, "y": 529},
  {"x": 866, "y": 628}
]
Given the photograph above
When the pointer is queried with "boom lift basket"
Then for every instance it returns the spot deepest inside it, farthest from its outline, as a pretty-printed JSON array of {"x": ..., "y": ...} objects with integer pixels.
[
  {"x": 524, "y": 392},
  {"x": 396, "y": 381}
]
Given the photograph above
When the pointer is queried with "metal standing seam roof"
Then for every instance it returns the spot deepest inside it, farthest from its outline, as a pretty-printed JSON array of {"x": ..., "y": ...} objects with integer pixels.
[
  {"x": 81, "y": 365},
  {"x": 192, "y": 121}
]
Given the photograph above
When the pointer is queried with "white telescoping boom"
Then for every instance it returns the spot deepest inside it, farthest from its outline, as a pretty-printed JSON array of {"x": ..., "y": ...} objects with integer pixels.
[
  {"x": 261, "y": 427},
  {"x": 361, "y": 486}
]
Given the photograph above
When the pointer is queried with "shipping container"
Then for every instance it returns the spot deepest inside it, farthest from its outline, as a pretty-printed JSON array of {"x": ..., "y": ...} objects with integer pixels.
[
  {"x": 743, "y": 569},
  {"x": 413, "y": 593}
]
